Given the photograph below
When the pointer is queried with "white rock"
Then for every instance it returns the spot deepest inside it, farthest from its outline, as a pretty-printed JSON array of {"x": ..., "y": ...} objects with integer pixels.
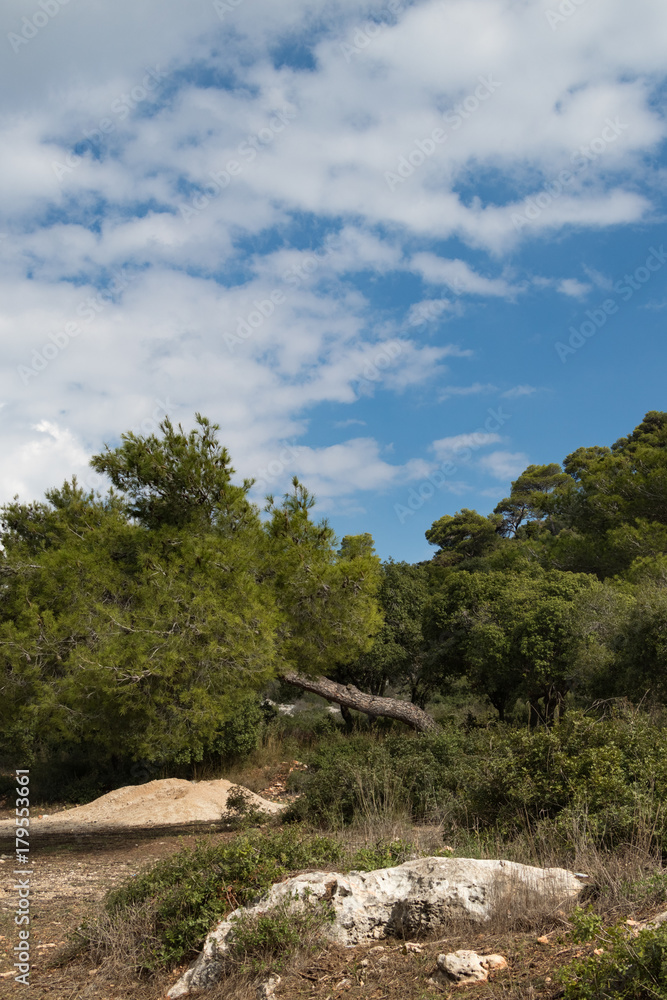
[
  {"x": 417, "y": 897},
  {"x": 267, "y": 990},
  {"x": 654, "y": 922},
  {"x": 468, "y": 966}
]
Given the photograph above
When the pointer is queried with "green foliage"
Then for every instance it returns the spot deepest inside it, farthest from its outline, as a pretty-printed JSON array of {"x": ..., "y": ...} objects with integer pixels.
[
  {"x": 267, "y": 941},
  {"x": 464, "y": 535},
  {"x": 327, "y": 599},
  {"x": 149, "y": 622},
  {"x": 239, "y": 736},
  {"x": 177, "y": 480},
  {"x": 399, "y": 654},
  {"x": 530, "y": 499},
  {"x": 512, "y": 635},
  {"x": 586, "y": 924},
  {"x": 175, "y": 902},
  {"x": 382, "y": 854},
  {"x": 628, "y": 968},
  {"x": 604, "y": 772},
  {"x": 189, "y": 891},
  {"x": 650, "y": 890}
]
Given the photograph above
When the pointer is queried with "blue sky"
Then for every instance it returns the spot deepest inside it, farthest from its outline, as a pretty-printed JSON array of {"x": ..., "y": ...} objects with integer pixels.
[{"x": 399, "y": 249}]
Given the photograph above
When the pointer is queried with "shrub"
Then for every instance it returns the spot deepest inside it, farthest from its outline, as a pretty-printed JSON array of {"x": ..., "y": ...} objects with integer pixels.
[
  {"x": 612, "y": 772},
  {"x": 185, "y": 894},
  {"x": 163, "y": 915},
  {"x": 624, "y": 968},
  {"x": 268, "y": 940}
]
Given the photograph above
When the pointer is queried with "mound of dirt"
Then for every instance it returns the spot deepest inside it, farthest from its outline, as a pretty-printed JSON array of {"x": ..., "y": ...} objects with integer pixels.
[{"x": 168, "y": 802}]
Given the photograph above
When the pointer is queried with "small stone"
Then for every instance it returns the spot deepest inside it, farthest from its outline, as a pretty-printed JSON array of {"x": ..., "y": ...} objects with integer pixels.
[
  {"x": 543, "y": 940},
  {"x": 469, "y": 967},
  {"x": 412, "y": 948},
  {"x": 267, "y": 990}
]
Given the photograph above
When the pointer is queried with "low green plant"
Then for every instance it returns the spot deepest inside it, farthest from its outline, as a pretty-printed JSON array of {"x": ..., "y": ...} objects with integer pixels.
[
  {"x": 586, "y": 924},
  {"x": 165, "y": 912},
  {"x": 267, "y": 941},
  {"x": 181, "y": 897},
  {"x": 240, "y": 810},
  {"x": 624, "y": 967},
  {"x": 650, "y": 890},
  {"x": 382, "y": 854}
]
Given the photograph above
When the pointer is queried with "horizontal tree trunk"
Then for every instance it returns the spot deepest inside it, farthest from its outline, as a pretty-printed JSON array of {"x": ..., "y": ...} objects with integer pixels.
[{"x": 351, "y": 697}]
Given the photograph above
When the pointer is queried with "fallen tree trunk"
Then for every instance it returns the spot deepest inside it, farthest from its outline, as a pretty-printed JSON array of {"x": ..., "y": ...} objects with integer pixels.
[{"x": 351, "y": 697}]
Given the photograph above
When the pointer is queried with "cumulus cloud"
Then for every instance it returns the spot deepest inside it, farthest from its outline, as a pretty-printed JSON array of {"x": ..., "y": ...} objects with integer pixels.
[
  {"x": 230, "y": 166},
  {"x": 504, "y": 465},
  {"x": 448, "y": 447},
  {"x": 573, "y": 288}
]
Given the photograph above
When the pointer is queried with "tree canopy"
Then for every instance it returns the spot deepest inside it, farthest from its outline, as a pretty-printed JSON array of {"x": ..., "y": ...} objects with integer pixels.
[{"x": 145, "y": 617}]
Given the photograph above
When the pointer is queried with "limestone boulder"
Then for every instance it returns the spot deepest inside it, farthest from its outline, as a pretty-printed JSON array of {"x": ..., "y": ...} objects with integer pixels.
[{"x": 413, "y": 899}]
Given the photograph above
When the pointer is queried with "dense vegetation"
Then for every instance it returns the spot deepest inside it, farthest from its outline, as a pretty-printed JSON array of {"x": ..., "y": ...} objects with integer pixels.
[
  {"x": 141, "y": 632},
  {"x": 153, "y": 618}
]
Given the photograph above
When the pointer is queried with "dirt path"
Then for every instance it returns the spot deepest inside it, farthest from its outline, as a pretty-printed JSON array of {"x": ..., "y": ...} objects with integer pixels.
[{"x": 68, "y": 879}]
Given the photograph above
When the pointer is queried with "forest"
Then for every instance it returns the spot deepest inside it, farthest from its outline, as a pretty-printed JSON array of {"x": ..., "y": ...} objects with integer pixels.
[{"x": 159, "y": 616}]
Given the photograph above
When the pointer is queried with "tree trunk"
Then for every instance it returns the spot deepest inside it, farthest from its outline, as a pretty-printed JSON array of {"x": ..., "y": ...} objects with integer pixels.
[{"x": 351, "y": 697}]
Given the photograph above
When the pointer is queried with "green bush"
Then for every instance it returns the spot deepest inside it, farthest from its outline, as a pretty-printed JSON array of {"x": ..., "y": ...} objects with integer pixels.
[
  {"x": 610, "y": 772},
  {"x": 239, "y": 736},
  {"x": 586, "y": 924},
  {"x": 626, "y": 968},
  {"x": 189, "y": 891},
  {"x": 163, "y": 914},
  {"x": 267, "y": 940},
  {"x": 382, "y": 855}
]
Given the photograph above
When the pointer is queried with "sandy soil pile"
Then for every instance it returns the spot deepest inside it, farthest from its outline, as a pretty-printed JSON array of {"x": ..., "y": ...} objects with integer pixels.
[{"x": 169, "y": 802}]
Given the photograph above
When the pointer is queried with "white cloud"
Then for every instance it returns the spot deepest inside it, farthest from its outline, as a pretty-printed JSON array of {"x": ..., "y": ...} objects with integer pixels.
[
  {"x": 352, "y": 422},
  {"x": 460, "y": 278},
  {"x": 43, "y": 454},
  {"x": 319, "y": 172},
  {"x": 448, "y": 391},
  {"x": 573, "y": 288},
  {"x": 449, "y": 447},
  {"x": 519, "y": 390},
  {"x": 504, "y": 465},
  {"x": 431, "y": 310}
]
